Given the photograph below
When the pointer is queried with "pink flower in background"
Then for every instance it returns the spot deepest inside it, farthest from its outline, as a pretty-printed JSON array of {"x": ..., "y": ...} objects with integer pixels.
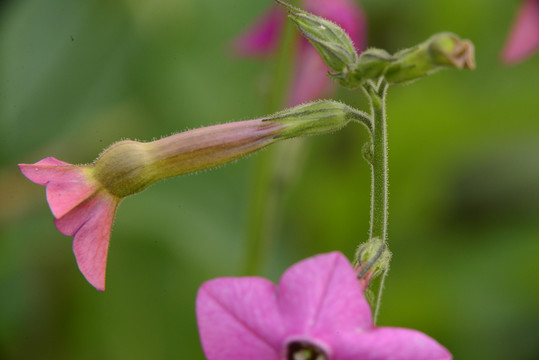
[
  {"x": 316, "y": 312},
  {"x": 523, "y": 39},
  {"x": 310, "y": 81},
  {"x": 81, "y": 208},
  {"x": 262, "y": 38}
]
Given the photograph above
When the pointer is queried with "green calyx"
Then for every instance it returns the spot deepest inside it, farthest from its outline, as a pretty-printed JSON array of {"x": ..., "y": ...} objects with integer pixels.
[
  {"x": 317, "y": 118},
  {"x": 123, "y": 169}
]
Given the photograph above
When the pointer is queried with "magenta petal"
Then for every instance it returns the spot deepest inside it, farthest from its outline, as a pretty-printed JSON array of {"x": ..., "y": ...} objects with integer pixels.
[
  {"x": 318, "y": 305},
  {"x": 91, "y": 224},
  {"x": 524, "y": 38},
  {"x": 386, "y": 343},
  {"x": 238, "y": 319},
  {"x": 321, "y": 297},
  {"x": 261, "y": 38}
]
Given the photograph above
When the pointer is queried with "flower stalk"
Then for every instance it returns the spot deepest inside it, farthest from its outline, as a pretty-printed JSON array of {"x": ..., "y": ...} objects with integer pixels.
[{"x": 379, "y": 169}]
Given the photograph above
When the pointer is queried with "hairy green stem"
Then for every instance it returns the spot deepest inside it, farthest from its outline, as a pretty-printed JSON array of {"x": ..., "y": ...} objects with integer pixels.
[{"x": 379, "y": 192}]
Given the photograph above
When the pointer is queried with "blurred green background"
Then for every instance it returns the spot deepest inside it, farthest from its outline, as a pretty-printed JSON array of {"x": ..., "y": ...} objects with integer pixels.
[{"x": 76, "y": 76}]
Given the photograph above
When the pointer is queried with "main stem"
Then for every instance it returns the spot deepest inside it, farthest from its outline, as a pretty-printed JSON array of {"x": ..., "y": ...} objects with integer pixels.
[{"x": 379, "y": 192}]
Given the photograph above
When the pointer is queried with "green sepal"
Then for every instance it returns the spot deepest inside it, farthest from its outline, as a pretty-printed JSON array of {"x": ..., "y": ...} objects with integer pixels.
[{"x": 316, "y": 118}]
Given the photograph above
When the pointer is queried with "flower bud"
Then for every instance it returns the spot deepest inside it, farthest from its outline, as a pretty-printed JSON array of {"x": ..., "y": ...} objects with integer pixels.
[
  {"x": 330, "y": 40},
  {"x": 367, "y": 151},
  {"x": 449, "y": 50},
  {"x": 372, "y": 258},
  {"x": 443, "y": 50}
]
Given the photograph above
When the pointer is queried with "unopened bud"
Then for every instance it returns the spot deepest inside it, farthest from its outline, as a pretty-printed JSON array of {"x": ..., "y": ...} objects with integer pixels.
[
  {"x": 372, "y": 258},
  {"x": 448, "y": 49},
  {"x": 444, "y": 50},
  {"x": 367, "y": 151},
  {"x": 330, "y": 40}
]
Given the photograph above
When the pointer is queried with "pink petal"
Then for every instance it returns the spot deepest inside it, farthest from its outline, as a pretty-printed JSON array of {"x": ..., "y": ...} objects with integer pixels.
[
  {"x": 67, "y": 185},
  {"x": 51, "y": 169},
  {"x": 64, "y": 196},
  {"x": 52, "y": 161},
  {"x": 321, "y": 297},
  {"x": 71, "y": 222},
  {"x": 524, "y": 38},
  {"x": 238, "y": 319},
  {"x": 91, "y": 224},
  {"x": 387, "y": 343},
  {"x": 310, "y": 78},
  {"x": 261, "y": 38}
]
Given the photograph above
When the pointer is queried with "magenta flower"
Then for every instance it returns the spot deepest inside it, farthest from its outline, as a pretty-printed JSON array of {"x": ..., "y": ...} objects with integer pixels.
[
  {"x": 310, "y": 81},
  {"x": 523, "y": 39},
  {"x": 316, "y": 312},
  {"x": 81, "y": 208}
]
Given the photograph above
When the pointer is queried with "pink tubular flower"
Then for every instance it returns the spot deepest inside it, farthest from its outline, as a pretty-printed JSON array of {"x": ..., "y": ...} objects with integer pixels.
[
  {"x": 84, "y": 198},
  {"x": 310, "y": 81},
  {"x": 316, "y": 312},
  {"x": 523, "y": 40}
]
